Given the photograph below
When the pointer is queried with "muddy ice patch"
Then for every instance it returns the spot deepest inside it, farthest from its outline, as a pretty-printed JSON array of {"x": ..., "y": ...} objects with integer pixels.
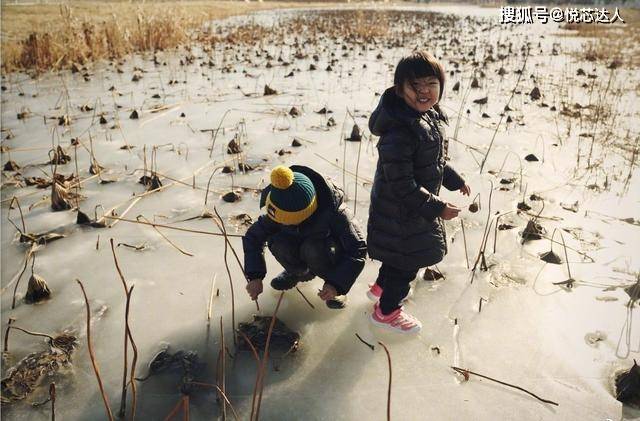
[
  {"x": 593, "y": 339},
  {"x": 186, "y": 365},
  {"x": 257, "y": 330},
  {"x": 508, "y": 272},
  {"x": 30, "y": 372}
]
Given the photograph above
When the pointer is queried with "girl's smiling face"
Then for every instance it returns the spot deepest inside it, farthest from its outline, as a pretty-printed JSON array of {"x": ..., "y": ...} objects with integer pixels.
[{"x": 422, "y": 93}]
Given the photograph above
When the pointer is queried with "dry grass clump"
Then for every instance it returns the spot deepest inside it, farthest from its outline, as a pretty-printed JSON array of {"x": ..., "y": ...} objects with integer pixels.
[
  {"x": 80, "y": 39},
  {"x": 43, "y": 37},
  {"x": 612, "y": 43},
  {"x": 366, "y": 29},
  {"x": 88, "y": 31}
]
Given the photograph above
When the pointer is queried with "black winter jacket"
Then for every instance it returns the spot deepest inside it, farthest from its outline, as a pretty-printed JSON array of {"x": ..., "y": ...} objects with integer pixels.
[
  {"x": 404, "y": 228},
  {"x": 332, "y": 218}
]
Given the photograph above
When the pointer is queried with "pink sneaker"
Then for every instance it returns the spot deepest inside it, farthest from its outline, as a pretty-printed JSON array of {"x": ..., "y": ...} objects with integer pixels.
[
  {"x": 374, "y": 292},
  {"x": 397, "y": 321}
]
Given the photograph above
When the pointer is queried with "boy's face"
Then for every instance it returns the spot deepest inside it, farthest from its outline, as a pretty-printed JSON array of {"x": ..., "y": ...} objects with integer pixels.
[{"x": 421, "y": 94}]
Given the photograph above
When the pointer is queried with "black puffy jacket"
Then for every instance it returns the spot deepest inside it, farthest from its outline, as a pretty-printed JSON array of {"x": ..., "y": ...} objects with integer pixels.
[
  {"x": 332, "y": 218},
  {"x": 404, "y": 228}
]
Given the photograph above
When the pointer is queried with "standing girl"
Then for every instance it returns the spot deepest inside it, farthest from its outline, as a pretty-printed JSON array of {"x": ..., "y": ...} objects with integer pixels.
[{"x": 405, "y": 229}]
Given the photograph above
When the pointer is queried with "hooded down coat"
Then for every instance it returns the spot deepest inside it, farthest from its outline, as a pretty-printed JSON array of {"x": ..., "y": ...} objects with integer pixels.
[
  {"x": 404, "y": 229},
  {"x": 332, "y": 218}
]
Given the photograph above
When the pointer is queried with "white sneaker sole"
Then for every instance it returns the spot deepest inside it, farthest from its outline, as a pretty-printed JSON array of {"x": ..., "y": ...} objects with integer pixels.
[{"x": 387, "y": 326}]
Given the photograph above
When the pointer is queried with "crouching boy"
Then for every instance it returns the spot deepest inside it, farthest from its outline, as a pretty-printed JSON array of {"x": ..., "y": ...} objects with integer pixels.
[{"x": 309, "y": 231}]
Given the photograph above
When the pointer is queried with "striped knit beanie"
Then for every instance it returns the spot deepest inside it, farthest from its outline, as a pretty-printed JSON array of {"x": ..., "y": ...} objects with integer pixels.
[{"x": 292, "y": 197}]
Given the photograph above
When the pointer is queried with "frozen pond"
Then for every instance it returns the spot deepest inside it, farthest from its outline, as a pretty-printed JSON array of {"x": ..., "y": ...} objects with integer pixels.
[{"x": 518, "y": 321}]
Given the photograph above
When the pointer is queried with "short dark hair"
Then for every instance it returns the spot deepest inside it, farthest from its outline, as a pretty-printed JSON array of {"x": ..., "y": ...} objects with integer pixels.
[{"x": 417, "y": 65}]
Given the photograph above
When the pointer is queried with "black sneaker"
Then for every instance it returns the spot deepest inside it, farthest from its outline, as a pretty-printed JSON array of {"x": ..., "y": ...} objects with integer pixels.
[
  {"x": 339, "y": 302},
  {"x": 287, "y": 280}
]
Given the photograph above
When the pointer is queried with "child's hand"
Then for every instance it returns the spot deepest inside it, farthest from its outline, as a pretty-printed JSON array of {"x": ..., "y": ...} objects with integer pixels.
[
  {"x": 328, "y": 292},
  {"x": 466, "y": 190},
  {"x": 450, "y": 211},
  {"x": 254, "y": 288}
]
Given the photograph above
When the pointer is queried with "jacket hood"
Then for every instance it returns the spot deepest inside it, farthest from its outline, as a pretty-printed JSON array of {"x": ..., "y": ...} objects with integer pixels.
[
  {"x": 391, "y": 112},
  {"x": 327, "y": 193}
]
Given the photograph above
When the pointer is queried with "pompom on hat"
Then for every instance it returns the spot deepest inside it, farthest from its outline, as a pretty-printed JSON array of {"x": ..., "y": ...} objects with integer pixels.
[{"x": 291, "y": 198}]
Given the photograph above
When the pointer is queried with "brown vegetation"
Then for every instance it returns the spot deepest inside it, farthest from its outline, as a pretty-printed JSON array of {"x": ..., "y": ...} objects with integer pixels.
[
  {"x": 616, "y": 44},
  {"x": 42, "y": 37}
]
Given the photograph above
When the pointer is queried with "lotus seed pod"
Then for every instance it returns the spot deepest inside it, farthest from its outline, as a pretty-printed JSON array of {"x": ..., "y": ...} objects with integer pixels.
[
  {"x": 37, "y": 290},
  {"x": 231, "y": 197},
  {"x": 59, "y": 197}
]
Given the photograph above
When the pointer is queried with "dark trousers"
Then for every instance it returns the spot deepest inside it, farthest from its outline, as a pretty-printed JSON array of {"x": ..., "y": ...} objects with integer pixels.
[
  {"x": 395, "y": 286},
  {"x": 296, "y": 255}
]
